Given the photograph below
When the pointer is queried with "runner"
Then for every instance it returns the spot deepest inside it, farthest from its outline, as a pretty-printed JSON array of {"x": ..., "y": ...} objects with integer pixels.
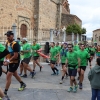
[
  {"x": 36, "y": 47},
  {"x": 58, "y": 58},
  {"x": 98, "y": 51},
  {"x": 83, "y": 55},
  {"x": 63, "y": 57},
  {"x": 53, "y": 58},
  {"x": 27, "y": 57},
  {"x": 13, "y": 60},
  {"x": 3, "y": 53},
  {"x": 73, "y": 62},
  {"x": 1, "y": 60}
]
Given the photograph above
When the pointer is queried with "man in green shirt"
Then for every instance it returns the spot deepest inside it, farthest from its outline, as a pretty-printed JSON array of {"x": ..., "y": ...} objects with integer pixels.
[
  {"x": 35, "y": 48},
  {"x": 63, "y": 57},
  {"x": 27, "y": 56},
  {"x": 3, "y": 53},
  {"x": 73, "y": 62},
  {"x": 1, "y": 60},
  {"x": 83, "y": 55},
  {"x": 53, "y": 58}
]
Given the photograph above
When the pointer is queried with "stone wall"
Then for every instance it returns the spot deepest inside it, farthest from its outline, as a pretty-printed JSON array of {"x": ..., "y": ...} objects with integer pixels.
[
  {"x": 68, "y": 19},
  {"x": 47, "y": 18},
  {"x": 18, "y": 12},
  {"x": 96, "y": 36}
]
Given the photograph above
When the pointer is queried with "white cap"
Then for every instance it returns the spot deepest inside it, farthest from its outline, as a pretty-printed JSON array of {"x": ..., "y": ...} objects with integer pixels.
[{"x": 24, "y": 39}]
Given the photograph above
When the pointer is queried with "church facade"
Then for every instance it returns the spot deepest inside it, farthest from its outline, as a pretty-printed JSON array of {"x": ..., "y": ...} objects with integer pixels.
[{"x": 35, "y": 18}]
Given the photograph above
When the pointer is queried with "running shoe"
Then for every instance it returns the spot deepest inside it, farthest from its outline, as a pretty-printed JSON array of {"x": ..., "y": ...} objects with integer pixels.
[
  {"x": 5, "y": 98},
  {"x": 80, "y": 86},
  {"x": 53, "y": 74},
  {"x": 61, "y": 82},
  {"x": 75, "y": 89},
  {"x": 24, "y": 76},
  {"x": 22, "y": 87},
  {"x": 70, "y": 89}
]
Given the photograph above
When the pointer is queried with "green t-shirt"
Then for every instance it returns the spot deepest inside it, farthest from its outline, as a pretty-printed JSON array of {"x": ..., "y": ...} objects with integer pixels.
[
  {"x": 76, "y": 48},
  {"x": 2, "y": 48},
  {"x": 53, "y": 53},
  {"x": 34, "y": 48},
  {"x": 72, "y": 58},
  {"x": 63, "y": 55},
  {"x": 27, "y": 46},
  {"x": 83, "y": 55},
  {"x": 58, "y": 48}
]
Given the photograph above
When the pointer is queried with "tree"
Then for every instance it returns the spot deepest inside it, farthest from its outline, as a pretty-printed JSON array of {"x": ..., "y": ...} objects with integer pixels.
[
  {"x": 76, "y": 29},
  {"x": 83, "y": 31}
]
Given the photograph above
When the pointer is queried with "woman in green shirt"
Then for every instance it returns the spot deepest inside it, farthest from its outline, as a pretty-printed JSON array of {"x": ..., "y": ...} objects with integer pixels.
[
  {"x": 36, "y": 47},
  {"x": 53, "y": 58}
]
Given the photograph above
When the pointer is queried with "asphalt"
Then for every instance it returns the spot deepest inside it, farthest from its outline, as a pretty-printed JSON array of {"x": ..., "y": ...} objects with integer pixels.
[{"x": 44, "y": 86}]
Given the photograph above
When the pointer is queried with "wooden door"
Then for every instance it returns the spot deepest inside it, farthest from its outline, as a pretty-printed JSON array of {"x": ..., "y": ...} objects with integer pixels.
[{"x": 23, "y": 30}]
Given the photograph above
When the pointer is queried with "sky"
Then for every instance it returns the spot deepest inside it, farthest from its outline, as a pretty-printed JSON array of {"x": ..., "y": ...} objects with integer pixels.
[{"x": 88, "y": 11}]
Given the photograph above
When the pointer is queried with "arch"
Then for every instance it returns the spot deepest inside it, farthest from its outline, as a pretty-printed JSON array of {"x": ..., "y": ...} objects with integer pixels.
[
  {"x": 23, "y": 25},
  {"x": 23, "y": 30}
]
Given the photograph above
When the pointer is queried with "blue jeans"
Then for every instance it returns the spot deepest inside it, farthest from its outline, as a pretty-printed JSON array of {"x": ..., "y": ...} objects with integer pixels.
[{"x": 95, "y": 94}]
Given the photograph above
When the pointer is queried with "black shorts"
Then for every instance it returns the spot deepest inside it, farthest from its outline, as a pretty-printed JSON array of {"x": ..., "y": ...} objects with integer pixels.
[
  {"x": 63, "y": 63},
  {"x": 35, "y": 57},
  {"x": 26, "y": 60},
  {"x": 1, "y": 62},
  {"x": 13, "y": 67},
  {"x": 72, "y": 72},
  {"x": 52, "y": 62},
  {"x": 83, "y": 67}
]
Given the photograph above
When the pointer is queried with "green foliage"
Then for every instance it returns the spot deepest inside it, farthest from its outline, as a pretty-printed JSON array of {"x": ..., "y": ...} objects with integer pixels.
[
  {"x": 75, "y": 28},
  {"x": 83, "y": 31}
]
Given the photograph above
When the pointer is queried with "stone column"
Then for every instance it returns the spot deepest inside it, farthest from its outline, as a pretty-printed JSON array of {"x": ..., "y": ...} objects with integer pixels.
[
  {"x": 73, "y": 38},
  {"x": 64, "y": 36},
  {"x": 77, "y": 37},
  {"x": 51, "y": 35},
  {"x": 14, "y": 31}
]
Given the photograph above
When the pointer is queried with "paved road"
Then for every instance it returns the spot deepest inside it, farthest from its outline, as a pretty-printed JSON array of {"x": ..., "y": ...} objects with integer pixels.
[{"x": 47, "y": 87}]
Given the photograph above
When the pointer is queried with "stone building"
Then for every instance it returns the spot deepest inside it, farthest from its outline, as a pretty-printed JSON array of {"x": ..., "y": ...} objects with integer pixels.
[
  {"x": 96, "y": 37},
  {"x": 35, "y": 18}
]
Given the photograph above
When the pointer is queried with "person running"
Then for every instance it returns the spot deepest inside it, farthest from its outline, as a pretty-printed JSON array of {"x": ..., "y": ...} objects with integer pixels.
[
  {"x": 13, "y": 60},
  {"x": 1, "y": 60},
  {"x": 59, "y": 49},
  {"x": 63, "y": 57},
  {"x": 98, "y": 51},
  {"x": 88, "y": 49},
  {"x": 83, "y": 55},
  {"x": 94, "y": 78},
  {"x": 73, "y": 62},
  {"x": 27, "y": 57},
  {"x": 53, "y": 58},
  {"x": 3, "y": 53},
  {"x": 35, "y": 49}
]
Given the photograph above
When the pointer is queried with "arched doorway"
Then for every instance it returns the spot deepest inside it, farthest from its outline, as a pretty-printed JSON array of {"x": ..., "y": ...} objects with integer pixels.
[{"x": 23, "y": 30}]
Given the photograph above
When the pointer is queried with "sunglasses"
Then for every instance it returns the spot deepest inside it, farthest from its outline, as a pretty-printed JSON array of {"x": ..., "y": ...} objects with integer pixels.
[{"x": 69, "y": 47}]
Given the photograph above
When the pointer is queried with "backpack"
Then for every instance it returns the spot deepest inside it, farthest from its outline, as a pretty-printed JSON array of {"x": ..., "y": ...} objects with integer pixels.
[{"x": 10, "y": 48}]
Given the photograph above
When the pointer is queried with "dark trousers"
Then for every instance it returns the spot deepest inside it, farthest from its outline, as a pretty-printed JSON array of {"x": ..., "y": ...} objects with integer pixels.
[{"x": 95, "y": 94}]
